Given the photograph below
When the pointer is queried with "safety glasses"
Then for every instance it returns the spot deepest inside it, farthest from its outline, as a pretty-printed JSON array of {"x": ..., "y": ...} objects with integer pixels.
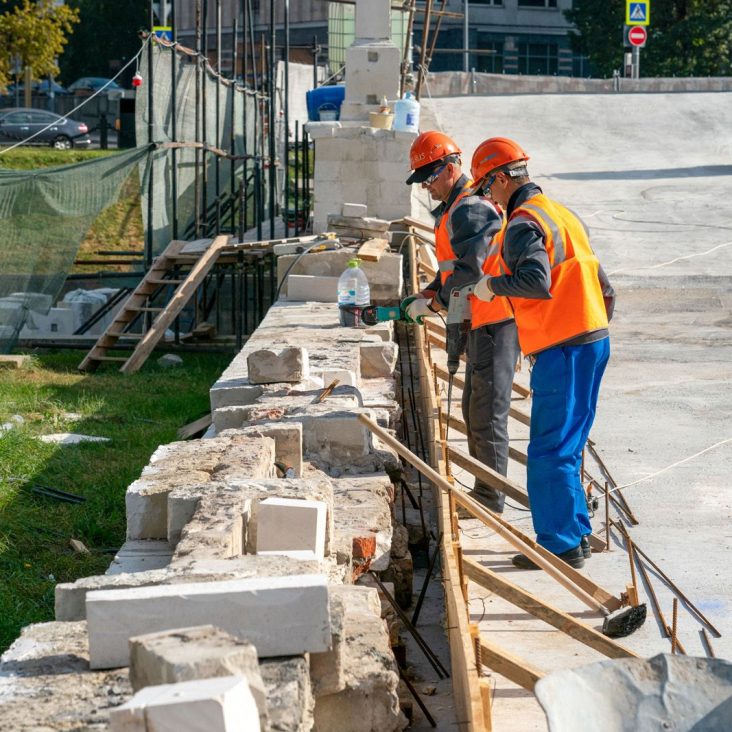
[{"x": 432, "y": 178}]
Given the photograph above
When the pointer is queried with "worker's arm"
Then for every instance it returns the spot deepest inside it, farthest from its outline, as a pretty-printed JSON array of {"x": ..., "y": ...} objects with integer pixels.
[
  {"x": 524, "y": 253},
  {"x": 473, "y": 223},
  {"x": 608, "y": 293}
]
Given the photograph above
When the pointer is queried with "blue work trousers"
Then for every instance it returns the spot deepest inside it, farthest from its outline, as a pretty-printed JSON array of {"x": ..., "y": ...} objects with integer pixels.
[{"x": 565, "y": 382}]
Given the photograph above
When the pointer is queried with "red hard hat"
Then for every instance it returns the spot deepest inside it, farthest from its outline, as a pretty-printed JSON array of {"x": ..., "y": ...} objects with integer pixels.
[
  {"x": 495, "y": 153},
  {"x": 427, "y": 149}
]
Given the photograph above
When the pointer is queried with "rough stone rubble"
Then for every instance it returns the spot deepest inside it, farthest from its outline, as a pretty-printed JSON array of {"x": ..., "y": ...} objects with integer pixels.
[{"x": 191, "y": 554}]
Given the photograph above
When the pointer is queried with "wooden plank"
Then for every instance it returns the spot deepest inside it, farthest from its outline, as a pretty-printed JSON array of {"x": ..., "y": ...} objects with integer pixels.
[
  {"x": 512, "y": 667},
  {"x": 138, "y": 297},
  {"x": 417, "y": 224},
  {"x": 182, "y": 295},
  {"x": 569, "y": 578},
  {"x": 373, "y": 249},
  {"x": 193, "y": 428},
  {"x": 560, "y": 620},
  {"x": 487, "y": 475},
  {"x": 473, "y": 715}
]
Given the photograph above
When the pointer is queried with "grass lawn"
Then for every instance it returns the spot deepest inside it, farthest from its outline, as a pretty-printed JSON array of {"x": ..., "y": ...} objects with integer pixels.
[
  {"x": 117, "y": 228},
  {"x": 137, "y": 413}
]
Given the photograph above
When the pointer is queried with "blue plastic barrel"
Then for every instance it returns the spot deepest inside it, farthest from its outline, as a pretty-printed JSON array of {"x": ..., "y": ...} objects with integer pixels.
[{"x": 327, "y": 98}]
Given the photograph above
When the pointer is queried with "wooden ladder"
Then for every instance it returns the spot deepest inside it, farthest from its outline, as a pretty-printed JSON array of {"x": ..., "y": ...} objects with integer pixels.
[{"x": 138, "y": 302}]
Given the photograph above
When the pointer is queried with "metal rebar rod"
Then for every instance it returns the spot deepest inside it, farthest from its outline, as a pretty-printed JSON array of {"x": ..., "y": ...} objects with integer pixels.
[
  {"x": 674, "y": 622},
  {"x": 652, "y": 594},
  {"x": 272, "y": 120},
  {"x": 197, "y": 125},
  {"x": 417, "y": 698},
  {"x": 287, "y": 114},
  {"x": 422, "y": 55},
  {"x": 150, "y": 140},
  {"x": 606, "y": 473},
  {"x": 217, "y": 159},
  {"x": 708, "y": 643},
  {"x": 204, "y": 120},
  {"x": 174, "y": 122},
  {"x": 296, "y": 192},
  {"x": 407, "y": 48},
  {"x": 434, "y": 661},
  {"x": 423, "y": 590},
  {"x": 607, "y": 518}
]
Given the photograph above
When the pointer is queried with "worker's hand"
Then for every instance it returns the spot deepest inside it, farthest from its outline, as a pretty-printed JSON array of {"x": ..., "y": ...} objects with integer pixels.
[
  {"x": 483, "y": 289},
  {"x": 418, "y": 308}
]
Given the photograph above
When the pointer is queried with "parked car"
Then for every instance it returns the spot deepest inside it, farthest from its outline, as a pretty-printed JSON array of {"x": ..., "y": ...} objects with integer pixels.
[
  {"x": 19, "y": 123},
  {"x": 94, "y": 83},
  {"x": 38, "y": 87}
]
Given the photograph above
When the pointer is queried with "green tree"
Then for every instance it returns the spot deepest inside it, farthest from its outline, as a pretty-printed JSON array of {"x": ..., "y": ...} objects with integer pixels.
[
  {"x": 105, "y": 39},
  {"x": 685, "y": 37},
  {"x": 36, "y": 32}
]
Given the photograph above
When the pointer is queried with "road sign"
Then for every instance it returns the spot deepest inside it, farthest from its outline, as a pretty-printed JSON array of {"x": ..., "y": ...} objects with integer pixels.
[
  {"x": 165, "y": 32},
  {"x": 637, "y": 12},
  {"x": 637, "y": 36}
]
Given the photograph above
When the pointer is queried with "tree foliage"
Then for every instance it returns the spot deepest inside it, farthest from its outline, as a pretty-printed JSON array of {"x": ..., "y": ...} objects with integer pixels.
[
  {"x": 105, "y": 39},
  {"x": 685, "y": 37},
  {"x": 36, "y": 32}
]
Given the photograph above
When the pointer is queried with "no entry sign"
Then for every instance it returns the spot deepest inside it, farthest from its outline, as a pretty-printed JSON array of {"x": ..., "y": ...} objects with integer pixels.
[{"x": 637, "y": 35}]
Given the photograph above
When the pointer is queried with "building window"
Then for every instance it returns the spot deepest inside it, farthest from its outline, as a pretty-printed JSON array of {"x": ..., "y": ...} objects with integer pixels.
[
  {"x": 538, "y": 58},
  {"x": 537, "y": 3},
  {"x": 491, "y": 63}
]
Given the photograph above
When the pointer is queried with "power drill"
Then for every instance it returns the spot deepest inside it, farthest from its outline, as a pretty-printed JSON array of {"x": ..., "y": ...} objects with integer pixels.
[{"x": 458, "y": 312}]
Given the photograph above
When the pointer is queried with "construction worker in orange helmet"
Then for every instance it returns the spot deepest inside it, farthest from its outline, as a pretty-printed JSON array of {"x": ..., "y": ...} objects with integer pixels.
[
  {"x": 563, "y": 302},
  {"x": 465, "y": 225}
]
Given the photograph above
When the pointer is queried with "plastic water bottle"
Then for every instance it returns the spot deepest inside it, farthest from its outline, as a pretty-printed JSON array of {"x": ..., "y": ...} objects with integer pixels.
[
  {"x": 353, "y": 293},
  {"x": 406, "y": 114}
]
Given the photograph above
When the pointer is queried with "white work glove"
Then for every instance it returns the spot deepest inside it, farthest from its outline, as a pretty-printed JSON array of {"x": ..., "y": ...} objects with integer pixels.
[
  {"x": 419, "y": 308},
  {"x": 483, "y": 289}
]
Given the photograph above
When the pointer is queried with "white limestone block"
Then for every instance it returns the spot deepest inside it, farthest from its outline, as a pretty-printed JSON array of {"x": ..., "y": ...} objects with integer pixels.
[
  {"x": 309, "y": 288},
  {"x": 272, "y": 367},
  {"x": 223, "y": 704},
  {"x": 354, "y": 209},
  {"x": 378, "y": 359},
  {"x": 281, "y": 616},
  {"x": 291, "y": 524}
]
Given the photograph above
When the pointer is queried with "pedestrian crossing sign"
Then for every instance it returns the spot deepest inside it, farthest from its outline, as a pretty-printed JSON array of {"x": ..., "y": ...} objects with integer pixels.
[{"x": 637, "y": 12}]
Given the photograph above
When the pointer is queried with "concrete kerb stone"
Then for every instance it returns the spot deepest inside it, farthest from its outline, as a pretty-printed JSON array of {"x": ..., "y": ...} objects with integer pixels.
[
  {"x": 221, "y": 704},
  {"x": 201, "y": 652},
  {"x": 281, "y": 616}
]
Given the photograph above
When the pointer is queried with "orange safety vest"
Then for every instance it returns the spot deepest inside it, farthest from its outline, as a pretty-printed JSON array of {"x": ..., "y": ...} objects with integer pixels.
[
  {"x": 498, "y": 309},
  {"x": 576, "y": 305}
]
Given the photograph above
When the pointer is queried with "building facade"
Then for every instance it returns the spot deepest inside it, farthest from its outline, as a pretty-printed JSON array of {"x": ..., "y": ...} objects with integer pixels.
[{"x": 504, "y": 36}]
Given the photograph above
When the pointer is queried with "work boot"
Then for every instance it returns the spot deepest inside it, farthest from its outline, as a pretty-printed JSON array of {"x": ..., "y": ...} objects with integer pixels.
[
  {"x": 586, "y": 549},
  {"x": 573, "y": 557}
]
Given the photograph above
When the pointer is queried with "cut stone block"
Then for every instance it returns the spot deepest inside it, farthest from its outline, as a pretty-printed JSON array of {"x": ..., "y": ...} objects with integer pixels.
[
  {"x": 378, "y": 359},
  {"x": 234, "y": 393},
  {"x": 71, "y": 596},
  {"x": 288, "y": 442},
  {"x": 185, "y": 464},
  {"x": 327, "y": 670},
  {"x": 369, "y": 699},
  {"x": 272, "y": 367},
  {"x": 310, "y": 288},
  {"x": 286, "y": 525},
  {"x": 289, "y": 695},
  {"x": 216, "y": 705},
  {"x": 139, "y": 555},
  {"x": 202, "y": 652},
  {"x": 281, "y": 615},
  {"x": 354, "y": 209}
]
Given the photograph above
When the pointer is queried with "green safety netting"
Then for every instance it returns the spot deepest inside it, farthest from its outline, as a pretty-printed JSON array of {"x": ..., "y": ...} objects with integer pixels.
[{"x": 44, "y": 215}]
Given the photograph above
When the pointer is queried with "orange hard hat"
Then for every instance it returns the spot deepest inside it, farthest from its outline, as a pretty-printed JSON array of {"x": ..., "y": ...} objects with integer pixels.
[
  {"x": 428, "y": 149},
  {"x": 495, "y": 153}
]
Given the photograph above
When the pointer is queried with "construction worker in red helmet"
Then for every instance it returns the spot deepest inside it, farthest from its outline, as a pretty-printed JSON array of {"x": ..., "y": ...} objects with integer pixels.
[
  {"x": 465, "y": 225},
  {"x": 563, "y": 302}
]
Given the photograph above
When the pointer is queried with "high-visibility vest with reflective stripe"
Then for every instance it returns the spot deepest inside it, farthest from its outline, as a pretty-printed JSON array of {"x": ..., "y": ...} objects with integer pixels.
[
  {"x": 446, "y": 262},
  {"x": 443, "y": 233},
  {"x": 498, "y": 310},
  {"x": 576, "y": 306}
]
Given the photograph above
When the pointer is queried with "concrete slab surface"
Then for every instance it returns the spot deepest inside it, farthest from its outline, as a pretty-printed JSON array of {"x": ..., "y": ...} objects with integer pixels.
[{"x": 651, "y": 175}]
